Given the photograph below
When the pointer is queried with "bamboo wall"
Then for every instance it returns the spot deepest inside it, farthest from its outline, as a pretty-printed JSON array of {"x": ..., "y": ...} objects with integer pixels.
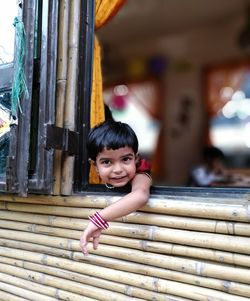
[{"x": 176, "y": 248}]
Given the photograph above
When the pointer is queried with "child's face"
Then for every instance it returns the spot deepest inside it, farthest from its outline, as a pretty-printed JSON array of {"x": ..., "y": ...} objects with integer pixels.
[
  {"x": 116, "y": 167},
  {"x": 217, "y": 165}
]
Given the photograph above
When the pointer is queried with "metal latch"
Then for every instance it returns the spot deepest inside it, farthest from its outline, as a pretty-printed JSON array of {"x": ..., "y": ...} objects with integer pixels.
[{"x": 62, "y": 139}]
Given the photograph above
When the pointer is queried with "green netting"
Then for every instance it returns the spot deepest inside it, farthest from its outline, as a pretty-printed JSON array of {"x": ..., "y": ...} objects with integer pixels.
[{"x": 19, "y": 87}]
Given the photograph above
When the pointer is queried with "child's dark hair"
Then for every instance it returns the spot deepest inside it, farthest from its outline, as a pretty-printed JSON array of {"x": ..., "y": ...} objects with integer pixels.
[
  {"x": 111, "y": 135},
  {"x": 211, "y": 153}
]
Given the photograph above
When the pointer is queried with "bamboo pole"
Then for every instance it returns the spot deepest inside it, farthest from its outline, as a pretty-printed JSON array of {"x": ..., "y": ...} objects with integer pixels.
[
  {"x": 195, "y": 267},
  {"x": 187, "y": 223},
  {"x": 48, "y": 284},
  {"x": 161, "y": 248},
  {"x": 159, "y": 285},
  {"x": 226, "y": 210},
  {"x": 61, "y": 81},
  {"x": 206, "y": 225},
  {"x": 26, "y": 293},
  {"x": 156, "y": 272},
  {"x": 70, "y": 101},
  {"x": 34, "y": 288},
  {"x": 96, "y": 200},
  {"x": 102, "y": 283},
  {"x": 49, "y": 209},
  {"x": 129, "y": 256},
  {"x": 20, "y": 268},
  {"x": 36, "y": 248},
  {"x": 10, "y": 297},
  {"x": 70, "y": 201},
  {"x": 8, "y": 276},
  {"x": 185, "y": 265},
  {"x": 217, "y": 284},
  {"x": 206, "y": 240}
]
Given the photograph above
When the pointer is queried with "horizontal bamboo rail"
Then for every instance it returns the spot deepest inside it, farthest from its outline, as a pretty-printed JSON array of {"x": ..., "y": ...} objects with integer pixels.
[
  {"x": 161, "y": 252},
  {"x": 233, "y": 288},
  {"x": 212, "y": 208},
  {"x": 164, "y": 261},
  {"x": 199, "y": 239},
  {"x": 62, "y": 288},
  {"x": 206, "y": 225},
  {"x": 155, "y": 284},
  {"x": 10, "y": 297},
  {"x": 21, "y": 292},
  {"x": 162, "y": 248},
  {"x": 47, "y": 292},
  {"x": 40, "y": 269}
]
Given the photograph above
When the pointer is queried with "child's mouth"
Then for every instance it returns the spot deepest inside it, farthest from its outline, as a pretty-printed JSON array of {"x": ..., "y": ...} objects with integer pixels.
[{"x": 120, "y": 179}]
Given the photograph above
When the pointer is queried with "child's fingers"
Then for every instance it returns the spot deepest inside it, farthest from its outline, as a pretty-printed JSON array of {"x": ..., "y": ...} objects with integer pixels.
[
  {"x": 85, "y": 251},
  {"x": 83, "y": 245},
  {"x": 96, "y": 242}
]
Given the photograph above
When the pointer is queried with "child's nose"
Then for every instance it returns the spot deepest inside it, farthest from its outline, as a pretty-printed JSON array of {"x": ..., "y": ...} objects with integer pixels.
[{"x": 117, "y": 168}]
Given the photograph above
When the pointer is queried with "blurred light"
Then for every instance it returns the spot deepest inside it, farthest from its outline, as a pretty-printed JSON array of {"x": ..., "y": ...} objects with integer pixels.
[
  {"x": 247, "y": 134},
  {"x": 229, "y": 110},
  {"x": 121, "y": 90},
  {"x": 239, "y": 106},
  {"x": 226, "y": 92},
  {"x": 238, "y": 95},
  {"x": 228, "y": 137}
]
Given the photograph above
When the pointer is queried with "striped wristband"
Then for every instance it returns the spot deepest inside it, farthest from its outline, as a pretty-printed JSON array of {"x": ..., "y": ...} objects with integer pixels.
[{"x": 99, "y": 221}]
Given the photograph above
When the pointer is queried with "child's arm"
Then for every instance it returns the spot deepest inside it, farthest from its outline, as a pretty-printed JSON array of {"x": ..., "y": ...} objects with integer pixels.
[{"x": 134, "y": 200}]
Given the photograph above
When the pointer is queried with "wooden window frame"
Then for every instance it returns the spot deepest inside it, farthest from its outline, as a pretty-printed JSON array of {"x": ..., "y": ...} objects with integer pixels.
[{"x": 81, "y": 167}]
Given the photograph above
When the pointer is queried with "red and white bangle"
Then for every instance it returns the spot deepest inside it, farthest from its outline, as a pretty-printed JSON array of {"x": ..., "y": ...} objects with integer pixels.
[{"x": 99, "y": 221}]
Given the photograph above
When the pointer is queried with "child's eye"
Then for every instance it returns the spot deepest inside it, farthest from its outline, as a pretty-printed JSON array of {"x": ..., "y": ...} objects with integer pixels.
[
  {"x": 126, "y": 159},
  {"x": 106, "y": 162}
]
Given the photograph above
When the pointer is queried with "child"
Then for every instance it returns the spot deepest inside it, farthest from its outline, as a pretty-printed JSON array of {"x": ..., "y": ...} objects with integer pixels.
[
  {"x": 211, "y": 171},
  {"x": 112, "y": 147}
]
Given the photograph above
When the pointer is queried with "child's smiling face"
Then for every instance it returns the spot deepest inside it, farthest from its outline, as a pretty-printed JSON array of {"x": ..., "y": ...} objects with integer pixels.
[{"x": 116, "y": 167}]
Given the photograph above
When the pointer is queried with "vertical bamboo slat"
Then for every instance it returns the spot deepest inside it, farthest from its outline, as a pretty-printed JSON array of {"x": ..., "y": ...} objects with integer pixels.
[
  {"x": 61, "y": 81},
  {"x": 70, "y": 101}
]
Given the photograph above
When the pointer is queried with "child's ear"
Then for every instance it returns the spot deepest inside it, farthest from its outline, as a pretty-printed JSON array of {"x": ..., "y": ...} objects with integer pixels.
[
  {"x": 137, "y": 158},
  {"x": 92, "y": 162}
]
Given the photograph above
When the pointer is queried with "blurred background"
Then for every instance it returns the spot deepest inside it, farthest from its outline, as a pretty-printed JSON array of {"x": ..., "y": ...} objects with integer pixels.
[{"x": 178, "y": 71}]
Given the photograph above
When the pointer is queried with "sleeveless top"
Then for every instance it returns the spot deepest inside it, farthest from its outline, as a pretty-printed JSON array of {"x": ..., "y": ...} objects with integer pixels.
[{"x": 144, "y": 166}]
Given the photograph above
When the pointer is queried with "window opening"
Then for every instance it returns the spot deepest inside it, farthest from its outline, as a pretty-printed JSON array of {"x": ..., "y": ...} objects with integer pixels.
[
  {"x": 5, "y": 120},
  {"x": 8, "y": 11},
  {"x": 203, "y": 38},
  {"x": 7, "y": 47},
  {"x": 228, "y": 97}
]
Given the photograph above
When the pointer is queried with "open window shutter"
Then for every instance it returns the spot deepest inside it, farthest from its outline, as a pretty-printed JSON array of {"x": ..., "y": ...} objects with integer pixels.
[
  {"x": 17, "y": 163},
  {"x": 43, "y": 111}
]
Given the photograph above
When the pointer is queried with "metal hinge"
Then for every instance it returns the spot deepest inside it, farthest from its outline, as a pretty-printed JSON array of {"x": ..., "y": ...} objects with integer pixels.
[{"x": 62, "y": 139}]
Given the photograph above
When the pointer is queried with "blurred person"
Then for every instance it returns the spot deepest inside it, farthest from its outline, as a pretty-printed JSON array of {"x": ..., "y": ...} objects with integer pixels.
[{"x": 211, "y": 170}]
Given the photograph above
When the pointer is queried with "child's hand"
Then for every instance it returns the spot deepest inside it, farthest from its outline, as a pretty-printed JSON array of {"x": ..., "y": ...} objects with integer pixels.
[{"x": 90, "y": 231}]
